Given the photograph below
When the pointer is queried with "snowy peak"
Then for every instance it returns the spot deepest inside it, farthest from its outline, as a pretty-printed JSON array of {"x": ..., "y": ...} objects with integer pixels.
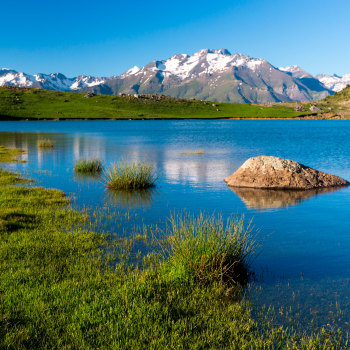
[
  {"x": 296, "y": 71},
  {"x": 53, "y": 81},
  {"x": 202, "y": 62},
  {"x": 130, "y": 71},
  {"x": 12, "y": 77},
  {"x": 83, "y": 81},
  {"x": 334, "y": 82}
]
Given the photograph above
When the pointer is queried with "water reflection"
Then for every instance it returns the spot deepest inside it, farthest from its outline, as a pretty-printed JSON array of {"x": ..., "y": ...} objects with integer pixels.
[
  {"x": 87, "y": 178},
  {"x": 175, "y": 167},
  {"x": 132, "y": 199},
  {"x": 273, "y": 199}
]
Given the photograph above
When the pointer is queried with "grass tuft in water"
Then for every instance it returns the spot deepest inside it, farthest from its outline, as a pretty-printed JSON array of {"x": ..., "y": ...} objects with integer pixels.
[
  {"x": 88, "y": 166},
  {"x": 126, "y": 176},
  {"x": 205, "y": 249},
  {"x": 45, "y": 143}
]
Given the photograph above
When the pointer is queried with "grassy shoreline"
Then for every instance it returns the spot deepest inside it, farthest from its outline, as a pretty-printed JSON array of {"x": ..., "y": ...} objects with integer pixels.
[
  {"x": 37, "y": 104},
  {"x": 58, "y": 288}
]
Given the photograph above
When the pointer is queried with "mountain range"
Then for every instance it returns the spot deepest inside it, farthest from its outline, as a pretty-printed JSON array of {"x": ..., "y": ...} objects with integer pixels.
[{"x": 215, "y": 75}]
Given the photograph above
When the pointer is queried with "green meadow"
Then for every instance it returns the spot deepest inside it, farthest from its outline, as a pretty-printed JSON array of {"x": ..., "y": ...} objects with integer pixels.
[{"x": 29, "y": 103}]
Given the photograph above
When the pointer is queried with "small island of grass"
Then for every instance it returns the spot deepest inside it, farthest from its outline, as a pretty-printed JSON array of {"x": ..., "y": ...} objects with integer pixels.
[
  {"x": 45, "y": 144},
  {"x": 130, "y": 176},
  {"x": 88, "y": 166}
]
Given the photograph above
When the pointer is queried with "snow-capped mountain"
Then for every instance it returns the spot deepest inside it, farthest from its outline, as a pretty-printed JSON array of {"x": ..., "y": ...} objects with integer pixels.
[
  {"x": 207, "y": 74},
  {"x": 55, "y": 81},
  {"x": 202, "y": 62},
  {"x": 11, "y": 77},
  {"x": 334, "y": 82},
  {"x": 216, "y": 75}
]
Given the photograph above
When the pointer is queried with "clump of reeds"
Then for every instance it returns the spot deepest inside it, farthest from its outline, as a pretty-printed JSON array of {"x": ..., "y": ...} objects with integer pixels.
[
  {"x": 45, "y": 143},
  {"x": 130, "y": 176},
  {"x": 199, "y": 151},
  {"x": 88, "y": 166},
  {"x": 206, "y": 250}
]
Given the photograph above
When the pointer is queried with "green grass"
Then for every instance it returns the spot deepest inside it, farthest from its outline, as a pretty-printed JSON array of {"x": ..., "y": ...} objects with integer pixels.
[
  {"x": 340, "y": 96},
  {"x": 62, "y": 286},
  {"x": 205, "y": 250},
  {"x": 25, "y": 103},
  {"x": 45, "y": 144},
  {"x": 88, "y": 166},
  {"x": 130, "y": 176},
  {"x": 10, "y": 155}
]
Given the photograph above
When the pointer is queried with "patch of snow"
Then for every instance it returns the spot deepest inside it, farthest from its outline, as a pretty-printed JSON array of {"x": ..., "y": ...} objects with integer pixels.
[
  {"x": 295, "y": 71},
  {"x": 334, "y": 82},
  {"x": 131, "y": 71}
]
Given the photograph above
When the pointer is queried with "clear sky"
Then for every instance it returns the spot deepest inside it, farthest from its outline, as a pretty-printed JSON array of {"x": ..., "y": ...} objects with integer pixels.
[{"x": 107, "y": 37}]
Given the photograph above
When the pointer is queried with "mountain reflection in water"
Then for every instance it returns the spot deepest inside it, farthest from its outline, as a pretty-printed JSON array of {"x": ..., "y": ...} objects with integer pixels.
[{"x": 256, "y": 198}]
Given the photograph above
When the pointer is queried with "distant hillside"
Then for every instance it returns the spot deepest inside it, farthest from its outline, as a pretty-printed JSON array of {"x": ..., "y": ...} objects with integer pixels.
[
  {"x": 213, "y": 75},
  {"x": 31, "y": 103},
  {"x": 341, "y": 96}
]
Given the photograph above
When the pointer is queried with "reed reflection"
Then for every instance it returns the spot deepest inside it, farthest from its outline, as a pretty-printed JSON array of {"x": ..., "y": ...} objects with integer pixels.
[
  {"x": 87, "y": 178},
  {"x": 132, "y": 199}
]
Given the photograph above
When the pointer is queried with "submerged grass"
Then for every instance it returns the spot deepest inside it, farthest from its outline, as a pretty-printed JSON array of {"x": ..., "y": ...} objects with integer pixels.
[
  {"x": 130, "y": 176},
  {"x": 88, "y": 166},
  {"x": 10, "y": 154},
  {"x": 62, "y": 286},
  {"x": 45, "y": 143},
  {"x": 199, "y": 152}
]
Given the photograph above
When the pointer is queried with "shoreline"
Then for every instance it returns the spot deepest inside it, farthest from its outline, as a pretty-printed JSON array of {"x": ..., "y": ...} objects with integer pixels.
[{"x": 306, "y": 117}]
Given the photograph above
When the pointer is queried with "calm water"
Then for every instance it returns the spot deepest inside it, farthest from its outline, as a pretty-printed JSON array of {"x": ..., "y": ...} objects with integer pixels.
[{"x": 304, "y": 263}]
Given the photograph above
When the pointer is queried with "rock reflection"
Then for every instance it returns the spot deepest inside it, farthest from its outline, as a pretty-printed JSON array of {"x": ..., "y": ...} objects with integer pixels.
[
  {"x": 132, "y": 199},
  {"x": 273, "y": 199}
]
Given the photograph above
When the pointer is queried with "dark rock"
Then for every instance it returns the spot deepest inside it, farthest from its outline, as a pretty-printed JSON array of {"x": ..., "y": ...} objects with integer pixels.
[
  {"x": 315, "y": 109},
  {"x": 89, "y": 95}
]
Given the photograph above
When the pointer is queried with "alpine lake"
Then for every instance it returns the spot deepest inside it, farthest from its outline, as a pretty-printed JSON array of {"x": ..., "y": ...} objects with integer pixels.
[{"x": 302, "y": 269}]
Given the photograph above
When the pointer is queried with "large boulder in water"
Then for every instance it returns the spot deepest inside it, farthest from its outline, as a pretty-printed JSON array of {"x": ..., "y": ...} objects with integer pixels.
[{"x": 278, "y": 173}]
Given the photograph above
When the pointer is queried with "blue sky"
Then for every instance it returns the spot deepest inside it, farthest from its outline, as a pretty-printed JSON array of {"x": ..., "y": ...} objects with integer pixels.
[{"x": 106, "y": 38}]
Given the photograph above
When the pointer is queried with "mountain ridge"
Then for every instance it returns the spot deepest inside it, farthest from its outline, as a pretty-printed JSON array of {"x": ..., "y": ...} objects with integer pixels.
[{"x": 207, "y": 74}]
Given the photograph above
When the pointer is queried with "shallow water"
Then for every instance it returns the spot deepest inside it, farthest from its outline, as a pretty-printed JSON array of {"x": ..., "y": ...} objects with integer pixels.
[{"x": 304, "y": 261}]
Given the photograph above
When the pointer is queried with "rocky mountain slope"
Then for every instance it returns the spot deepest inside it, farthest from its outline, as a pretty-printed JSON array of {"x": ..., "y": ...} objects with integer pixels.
[{"x": 214, "y": 75}]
